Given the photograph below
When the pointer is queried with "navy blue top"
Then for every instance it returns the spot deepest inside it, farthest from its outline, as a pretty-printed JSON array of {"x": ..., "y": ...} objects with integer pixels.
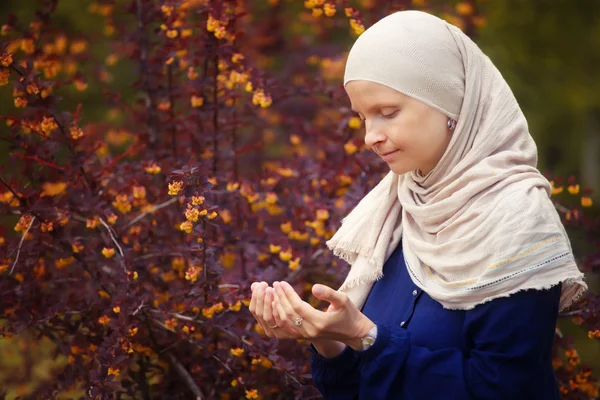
[{"x": 501, "y": 349}]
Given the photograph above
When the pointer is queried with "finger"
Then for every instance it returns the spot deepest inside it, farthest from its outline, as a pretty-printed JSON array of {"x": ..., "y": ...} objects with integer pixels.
[
  {"x": 299, "y": 307},
  {"x": 335, "y": 297},
  {"x": 284, "y": 331},
  {"x": 254, "y": 298},
  {"x": 260, "y": 298},
  {"x": 267, "y": 314},
  {"x": 286, "y": 307}
]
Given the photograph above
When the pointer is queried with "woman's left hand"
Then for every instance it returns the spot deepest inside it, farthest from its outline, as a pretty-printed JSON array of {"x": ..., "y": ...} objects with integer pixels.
[{"x": 342, "y": 322}]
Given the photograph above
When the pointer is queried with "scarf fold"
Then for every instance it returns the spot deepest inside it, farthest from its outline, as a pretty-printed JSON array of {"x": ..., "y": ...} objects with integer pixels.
[{"x": 481, "y": 224}]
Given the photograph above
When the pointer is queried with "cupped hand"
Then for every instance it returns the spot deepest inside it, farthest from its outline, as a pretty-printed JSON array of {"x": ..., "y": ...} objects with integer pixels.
[
  {"x": 261, "y": 307},
  {"x": 342, "y": 322}
]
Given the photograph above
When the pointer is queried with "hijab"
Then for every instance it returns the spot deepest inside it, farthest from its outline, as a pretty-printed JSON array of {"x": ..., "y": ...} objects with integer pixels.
[{"x": 481, "y": 224}]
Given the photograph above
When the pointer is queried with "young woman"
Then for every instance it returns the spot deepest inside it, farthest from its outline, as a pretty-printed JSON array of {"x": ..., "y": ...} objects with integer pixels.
[{"x": 459, "y": 261}]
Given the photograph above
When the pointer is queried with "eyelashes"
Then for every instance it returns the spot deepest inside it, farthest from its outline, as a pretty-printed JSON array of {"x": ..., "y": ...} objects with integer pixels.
[{"x": 385, "y": 116}]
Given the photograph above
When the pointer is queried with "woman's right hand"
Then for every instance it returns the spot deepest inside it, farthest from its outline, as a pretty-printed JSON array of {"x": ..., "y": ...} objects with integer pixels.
[{"x": 262, "y": 310}]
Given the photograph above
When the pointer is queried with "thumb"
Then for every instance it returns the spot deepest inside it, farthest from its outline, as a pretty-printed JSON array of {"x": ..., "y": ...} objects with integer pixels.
[{"x": 329, "y": 295}]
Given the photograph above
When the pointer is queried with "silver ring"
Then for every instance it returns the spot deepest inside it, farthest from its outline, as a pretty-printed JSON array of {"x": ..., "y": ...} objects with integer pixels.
[
  {"x": 298, "y": 321},
  {"x": 274, "y": 326}
]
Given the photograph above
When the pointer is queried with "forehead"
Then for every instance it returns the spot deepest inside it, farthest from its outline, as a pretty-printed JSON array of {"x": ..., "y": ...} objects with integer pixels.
[{"x": 366, "y": 95}]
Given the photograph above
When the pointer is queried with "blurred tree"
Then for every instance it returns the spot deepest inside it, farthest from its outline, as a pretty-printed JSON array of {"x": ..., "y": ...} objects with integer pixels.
[{"x": 549, "y": 51}]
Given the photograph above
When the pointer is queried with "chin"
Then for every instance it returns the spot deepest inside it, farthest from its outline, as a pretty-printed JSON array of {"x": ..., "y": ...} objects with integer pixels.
[{"x": 400, "y": 169}]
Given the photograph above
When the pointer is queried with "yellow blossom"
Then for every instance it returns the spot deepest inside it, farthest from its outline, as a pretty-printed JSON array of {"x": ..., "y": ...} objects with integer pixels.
[
  {"x": 234, "y": 383},
  {"x": 237, "y": 57},
  {"x": 226, "y": 216},
  {"x": 286, "y": 228},
  {"x": 23, "y": 223},
  {"x": 114, "y": 371},
  {"x": 251, "y": 394},
  {"x": 175, "y": 187},
  {"x": 53, "y": 188},
  {"x": 186, "y": 226},
  {"x": 104, "y": 320},
  {"x": 232, "y": 186},
  {"x": 350, "y": 148},
  {"x": 236, "y": 307},
  {"x": 294, "y": 264},
  {"x": 271, "y": 198},
  {"x": 274, "y": 249},
  {"x": 237, "y": 352},
  {"x": 139, "y": 192},
  {"x": 285, "y": 255},
  {"x": 122, "y": 204},
  {"x": 171, "y": 323},
  {"x": 153, "y": 169},
  {"x": 112, "y": 218},
  {"x": 6, "y": 59},
  {"x": 197, "y": 101},
  {"x": 586, "y": 201},
  {"x": 317, "y": 12},
  {"x": 212, "y": 215},
  {"x": 322, "y": 214},
  {"x": 108, "y": 252},
  {"x": 116, "y": 309},
  {"x": 197, "y": 200},
  {"x": 203, "y": 213},
  {"x": 354, "y": 123},
  {"x": 172, "y": 33},
  {"x": 464, "y": 8},
  {"x": 357, "y": 27},
  {"x": 556, "y": 190},
  {"x": 92, "y": 223},
  {"x": 28, "y": 46},
  {"x": 192, "y": 214},
  {"x": 208, "y": 312},
  {"x": 20, "y": 102},
  {"x": 192, "y": 273},
  {"x": 47, "y": 227},
  {"x": 77, "y": 247},
  {"x": 76, "y": 132},
  {"x": 64, "y": 262}
]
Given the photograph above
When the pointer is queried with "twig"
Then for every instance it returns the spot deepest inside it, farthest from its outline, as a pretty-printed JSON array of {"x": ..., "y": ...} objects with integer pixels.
[
  {"x": 189, "y": 380},
  {"x": 158, "y": 207},
  {"x": 114, "y": 239},
  {"x": 21, "y": 244},
  {"x": 112, "y": 236},
  {"x": 139, "y": 308}
]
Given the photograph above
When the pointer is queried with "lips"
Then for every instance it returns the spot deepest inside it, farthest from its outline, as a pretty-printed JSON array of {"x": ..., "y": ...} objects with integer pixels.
[{"x": 388, "y": 156}]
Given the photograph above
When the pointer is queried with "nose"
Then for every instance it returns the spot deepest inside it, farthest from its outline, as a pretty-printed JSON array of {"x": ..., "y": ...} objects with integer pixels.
[{"x": 373, "y": 134}]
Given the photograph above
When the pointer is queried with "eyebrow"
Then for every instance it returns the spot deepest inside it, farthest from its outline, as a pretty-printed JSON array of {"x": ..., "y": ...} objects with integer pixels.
[{"x": 377, "y": 105}]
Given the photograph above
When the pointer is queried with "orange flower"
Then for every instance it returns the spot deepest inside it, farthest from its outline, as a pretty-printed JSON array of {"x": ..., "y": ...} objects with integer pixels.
[
  {"x": 104, "y": 320},
  {"x": 53, "y": 189},
  {"x": 153, "y": 169},
  {"x": 252, "y": 394},
  {"x": 108, "y": 252},
  {"x": 175, "y": 187},
  {"x": 237, "y": 352},
  {"x": 586, "y": 201},
  {"x": 6, "y": 59}
]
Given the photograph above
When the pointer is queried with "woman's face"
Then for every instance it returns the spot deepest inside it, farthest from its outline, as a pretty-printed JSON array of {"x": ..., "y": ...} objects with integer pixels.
[{"x": 406, "y": 133}]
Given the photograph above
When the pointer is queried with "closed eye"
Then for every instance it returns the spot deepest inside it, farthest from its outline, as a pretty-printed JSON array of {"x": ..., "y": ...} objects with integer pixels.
[{"x": 390, "y": 115}]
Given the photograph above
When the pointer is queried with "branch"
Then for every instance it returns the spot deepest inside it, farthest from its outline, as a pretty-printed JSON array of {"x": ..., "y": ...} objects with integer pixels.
[
  {"x": 189, "y": 380},
  {"x": 158, "y": 207},
  {"x": 112, "y": 236},
  {"x": 21, "y": 244}
]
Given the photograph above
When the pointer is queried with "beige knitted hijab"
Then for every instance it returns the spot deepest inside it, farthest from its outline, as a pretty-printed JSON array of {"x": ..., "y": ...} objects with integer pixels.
[{"x": 481, "y": 224}]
